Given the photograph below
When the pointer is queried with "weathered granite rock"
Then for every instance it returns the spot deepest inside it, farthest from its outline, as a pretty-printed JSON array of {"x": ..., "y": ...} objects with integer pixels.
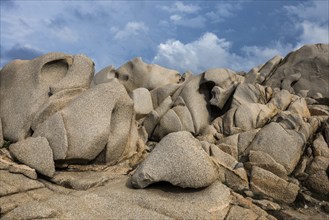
[
  {"x": 36, "y": 153},
  {"x": 266, "y": 183},
  {"x": 105, "y": 75},
  {"x": 320, "y": 147},
  {"x": 142, "y": 102},
  {"x": 185, "y": 117},
  {"x": 281, "y": 99},
  {"x": 225, "y": 81},
  {"x": 54, "y": 130},
  {"x": 260, "y": 74},
  {"x": 14, "y": 183},
  {"x": 80, "y": 180},
  {"x": 265, "y": 161},
  {"x": 231, "y": 172},
  {"x": 178, "y": 159},
  {"x": 18, "y": 168},
  {"x": 326, "y": 130},
  {"x": 54, "y": 104},
  {"x": 283, "y": 145},
  {"x": 27, "y": 85},
  {"x": 249, "y": 93},
  {"x": 238, "y": 199},
  {"x": 318, "y": 179},
  {"x": 169, "y": 123},
  {"x": 317, "y": 110},
  {"x": 135, "y": 74},
  {"x": 195, "y": 99},
  {"x": 104, "y": 119},
  {"x": 32, "y": 210},
  {"x": 267, "y": 204},
  {"x": 160, "y": 93},
  {"x": 299, "y": 106},
  {"x": 238, "y": 212},
  {"x": 310, "y": 63},
  {"x": 1, "y": 135},
  {"x": 244, "y": 140}
]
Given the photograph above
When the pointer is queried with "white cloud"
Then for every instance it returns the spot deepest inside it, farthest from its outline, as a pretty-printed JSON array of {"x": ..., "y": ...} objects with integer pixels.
[
  {"x": 66, "y": 34},
  {"x": 210, "y": 51},
  {"x": 175, "y": 17},
  {"x": 313, "y": 33},
  {"x": 131, "y": 29},
  {"x": 181, "y": 7},
  {"x": 311, "y": 19},
  {"x": 195, "y": 22},
  {"x": 223, "y": 10},
  {"x": 313, "y": 11},
  {"x": 206, "y": 52}
]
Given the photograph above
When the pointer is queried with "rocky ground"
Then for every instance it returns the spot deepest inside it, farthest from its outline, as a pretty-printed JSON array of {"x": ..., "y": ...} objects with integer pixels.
[{"x": 145, "y": 142}]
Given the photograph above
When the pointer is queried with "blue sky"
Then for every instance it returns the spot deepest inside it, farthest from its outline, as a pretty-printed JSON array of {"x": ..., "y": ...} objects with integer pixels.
[{"x": 182, "y": 35}]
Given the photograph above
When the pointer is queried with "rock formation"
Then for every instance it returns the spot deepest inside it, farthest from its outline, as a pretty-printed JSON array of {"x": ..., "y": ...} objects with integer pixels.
[{"x": 237, "y": 144}]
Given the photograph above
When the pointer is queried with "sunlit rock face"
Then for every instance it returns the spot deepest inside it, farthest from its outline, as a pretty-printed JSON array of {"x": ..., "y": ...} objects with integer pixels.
[{"x": 263, "y": 134}]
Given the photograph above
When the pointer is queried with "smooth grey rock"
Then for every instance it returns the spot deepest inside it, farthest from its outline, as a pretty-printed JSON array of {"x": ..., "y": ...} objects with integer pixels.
[
  {"x": 142, "y": 102},
  {"x": 164, "y": 106},
  {"x": 54, "y": 130},
  {"x": 105, "y": 75},
  {"x": 135, "y": 74},
  {"x": 252, "y": 116},
  {"x": 310, "y": 61},
  {"x": 160, "y": 93},
  {"x": 281, "y": 100},
  {"x": 178, "y": 159},
  {"x": 268, "y": 68},
  {"x": 196, "y": 102},
  {"x": 249, "y": 93},
  {"x": 150, "y": 122},
  {"x": 266, "y": 183},
  {"x": 54, "y": 104},
  {"x": 169, "y": 123},
  {"x": 27, "y": 84},
  {"x": 105, "y": 119},
  {"x": 36, "y": 153},
  {"x": 185, "y": 117}
]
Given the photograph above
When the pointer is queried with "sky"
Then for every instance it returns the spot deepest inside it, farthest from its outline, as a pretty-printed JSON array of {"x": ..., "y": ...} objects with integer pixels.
[{"x": 181, "y": 35}]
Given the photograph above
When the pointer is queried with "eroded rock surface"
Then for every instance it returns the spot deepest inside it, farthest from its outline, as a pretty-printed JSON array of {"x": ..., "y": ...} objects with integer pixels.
[
  {"x": 178, "y": 159},
  {"x": 234, "y": 145}
]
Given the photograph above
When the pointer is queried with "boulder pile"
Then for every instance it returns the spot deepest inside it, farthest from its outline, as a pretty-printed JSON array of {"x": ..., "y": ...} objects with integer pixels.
[{"x": 264, "y": 134}]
